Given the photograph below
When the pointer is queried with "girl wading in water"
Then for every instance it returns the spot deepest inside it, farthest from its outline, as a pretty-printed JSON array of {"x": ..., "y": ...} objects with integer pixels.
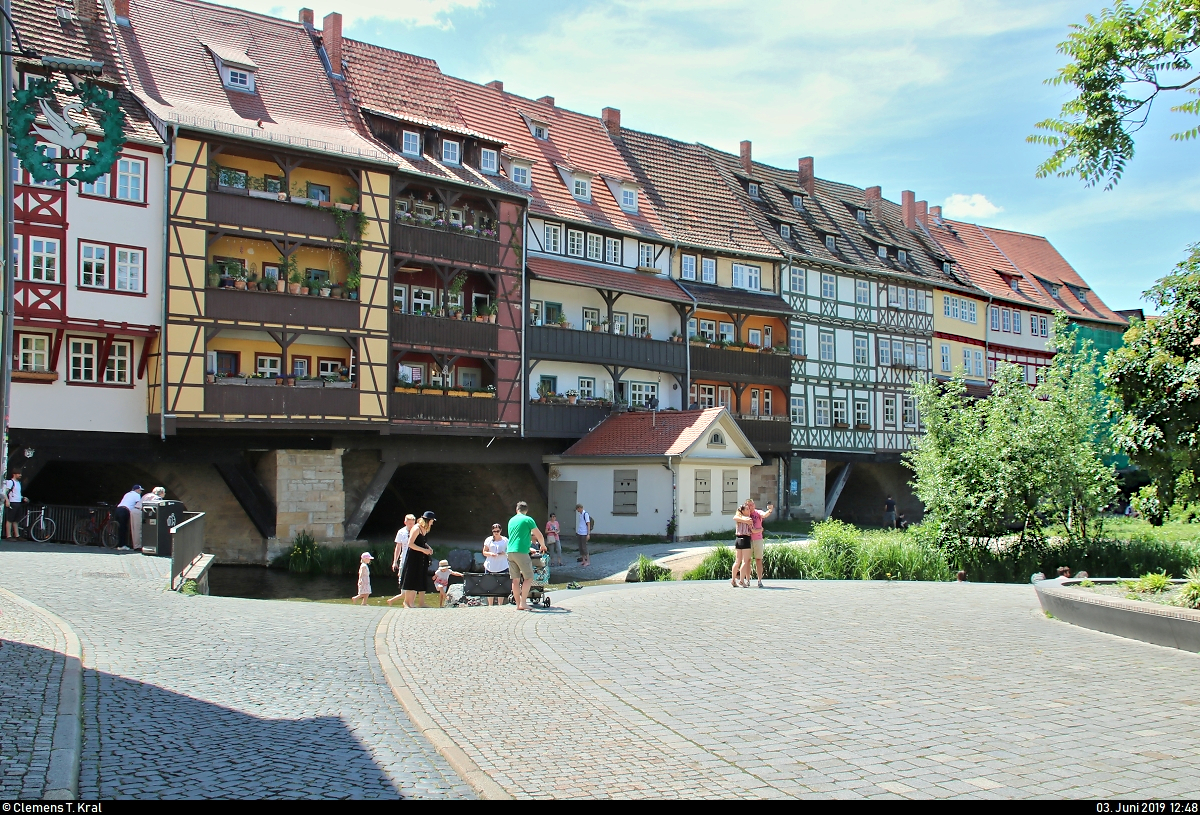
[
  {"x": 741, "y": 548},
  {"x": 416, "y": 564}
]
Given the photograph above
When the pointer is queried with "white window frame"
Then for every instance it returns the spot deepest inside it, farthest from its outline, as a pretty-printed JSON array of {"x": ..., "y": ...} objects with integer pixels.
[
  {"x": 575, "y": 243},
  {"x": 796, "y": 339},
  {"x": 521, "y": 175},
  {"x": 994, "y": 318},
  {"x": 99, "y": 188},
  {"x": 687, "y": 267},
  {"x": 967, "y": 361},
  {"x": 708, "y": 270},
  {"x": 706, "y": 396},
  {"x": 45, "y": 259},
  {"x": 540, "y": 132},
  {"x": 587, "y": 387},
  {"x": 767, "y": 398},
  {"x": 451, "y": 152},
  {"x": 263, "y": 366},
  {"x": 828, "y": 344},
  {"x": 34, "y": 352},
  {"x": 753, "y": 189},
  {"x": 1005, "y": 320},
  {"x": 797, "y": 203},
  {"x": 423, "y": 297},
  {"x": 828, "y": 286},
  {"x": 978, "y": 356},
  {"x": 595, "y": 247},
  {"x": 945, "y": 351},
  {"x": 94, "y": 261},
  {"x": 129, "y": 270},
  {"x": 841, "y": 414},
  {"x": 798, "y": 410},
  {"x": 581, "y": 189},
  {"x": 861, "y": 354},
  {"x": 239, "y": 79},
  {"x": 902, "y": 256},
  {"x": 882, "y": 252},
  {"x": 910, "y": 411},
  {"x": 131, "y": 179},
  {"x": 862, "y": 292},
  {"x": 489, "y": 161},
  {"x": 612, "y": 250},
  {"x": 831, "y": 243},
  {"x": 81, "y": 359},
  {"x": 400, "y": 297},
  {"x": 912, "y": 299},
  {"x": 821, "y": 412},
  {"x": 552, "y": 237},
  {"x": 862, "y": 412},
  {"x": 799, "y": 283},
  {"x": 885, "y": 352},
  {"x": 922, "y": 356},
  {"x": 785, "y": 232},
  {"x": 889, "y": 411},
  {"x": 1043, "y": 326},
  {"x": 751, "y": 277},
  {"x": 117, "y": 369},
  {"x": 727, "y": 332},
  {"x": 754, "y": 337},
  {"x": 708, "y": 330},
  {"x": 639, "y": 393},
  {"x": 1017, "y": 317},
  {"x": 641, "y": 325},
  {"x": 629, "y": 200},
  {"x": 646, "y": 255}
]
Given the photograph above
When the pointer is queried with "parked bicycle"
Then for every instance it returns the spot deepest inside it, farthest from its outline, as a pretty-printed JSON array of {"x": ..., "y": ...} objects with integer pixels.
[
  {"x": 36, "y": 525},
  {"x": 99, "y": 527}
]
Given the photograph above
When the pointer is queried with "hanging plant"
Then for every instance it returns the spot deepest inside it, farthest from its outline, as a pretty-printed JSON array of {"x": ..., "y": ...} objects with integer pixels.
[{"x": 64, "y": 132}]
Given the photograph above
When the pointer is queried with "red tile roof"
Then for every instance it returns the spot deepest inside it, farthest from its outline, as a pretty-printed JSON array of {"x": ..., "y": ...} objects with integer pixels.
[
  {"x": 173, "y": 73},
  {"x": 87, "y": 37},
  {"x": 665, "y": 433},
  {"x": 575, "y": 140},
  {"x": 1035, "y": 256},
  {"x": 982, "y": 262},
  {"x": 607, "y": 277}
]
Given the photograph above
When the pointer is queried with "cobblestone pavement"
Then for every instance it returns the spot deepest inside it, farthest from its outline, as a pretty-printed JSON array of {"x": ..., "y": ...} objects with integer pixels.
[
  {"x": 216, "y": 697},
  {"x": 822, "y": 688},
  {"x": 31, "y": 664}
]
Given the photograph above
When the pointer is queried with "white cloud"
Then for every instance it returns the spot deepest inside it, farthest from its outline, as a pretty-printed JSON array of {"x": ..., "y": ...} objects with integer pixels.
[
  {"x": 969, "y": 207},
  {"x": 435, "y": 13}
]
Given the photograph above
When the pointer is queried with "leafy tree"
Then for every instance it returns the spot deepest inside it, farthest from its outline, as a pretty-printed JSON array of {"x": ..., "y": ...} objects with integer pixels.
[
  {"x": 1120, "y": 63},
  {"x": 1155, "y": 379}
]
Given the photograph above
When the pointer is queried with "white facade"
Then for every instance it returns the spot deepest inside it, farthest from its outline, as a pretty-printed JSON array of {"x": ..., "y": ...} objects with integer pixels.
[
  {"x": 567, "y": 241},
  {"x": 109, "y": 277}
]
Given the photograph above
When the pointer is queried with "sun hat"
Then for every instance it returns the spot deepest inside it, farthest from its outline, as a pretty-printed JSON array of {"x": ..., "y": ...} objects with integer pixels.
[
  {"x": 443, "y": 564},
  {"x": 367, "y": 556},
  {"x": 429, "y": 516}
]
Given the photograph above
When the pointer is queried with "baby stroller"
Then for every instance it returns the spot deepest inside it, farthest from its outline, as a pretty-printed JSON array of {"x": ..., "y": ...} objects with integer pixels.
[{"x": 541, "y": 578}]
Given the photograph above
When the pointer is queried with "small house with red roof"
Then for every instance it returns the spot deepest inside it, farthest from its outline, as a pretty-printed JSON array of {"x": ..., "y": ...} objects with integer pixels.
[{"x": 637, "y": 470}]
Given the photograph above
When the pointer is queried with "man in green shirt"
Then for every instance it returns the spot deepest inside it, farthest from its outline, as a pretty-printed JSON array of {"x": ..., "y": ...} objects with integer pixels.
[{"x": 522, "y": 531}]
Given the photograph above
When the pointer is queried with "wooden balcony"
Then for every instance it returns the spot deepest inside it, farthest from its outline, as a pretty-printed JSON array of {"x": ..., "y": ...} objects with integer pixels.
[
  {"x": 423, "y": 241},
  {"x": 440, "y": 332},
  {"x": 562, "y": 421},
  {"x": 436, "y": 407},
  {"x": 768, "y": 434},
  {"x": 276, "y": 308},
  {"x": 280, "y": 400},
  {"x": 741, "y": 366},
  {"x": 606, "y": 349},
  {"x": 276, "y": 216}
]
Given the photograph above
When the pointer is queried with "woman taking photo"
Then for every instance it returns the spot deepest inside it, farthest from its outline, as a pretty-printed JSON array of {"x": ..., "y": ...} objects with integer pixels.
[
  {"x": 741, "y": 548},
  {"x": 416, "y": 564}
]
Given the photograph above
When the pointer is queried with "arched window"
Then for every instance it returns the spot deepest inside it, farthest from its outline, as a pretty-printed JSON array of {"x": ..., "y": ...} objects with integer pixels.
[{"x": 717, "y": 440}]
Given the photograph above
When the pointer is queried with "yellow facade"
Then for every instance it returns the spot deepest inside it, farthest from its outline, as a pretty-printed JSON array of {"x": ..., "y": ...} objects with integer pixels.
[
  {"x": 255, "y": 254},
  {"x": 249, "y": 351},
  {"x": 767, "y": 269},
  {"x": 339, "y": 184},
  {"x": 960, "y": 331}
]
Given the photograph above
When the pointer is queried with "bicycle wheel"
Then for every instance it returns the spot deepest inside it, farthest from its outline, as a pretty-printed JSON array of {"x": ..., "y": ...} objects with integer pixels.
[
  {"x": 82, "y": 534},
  {"x": 111, "y": 535},
  {"x": 42, "y": 529}
]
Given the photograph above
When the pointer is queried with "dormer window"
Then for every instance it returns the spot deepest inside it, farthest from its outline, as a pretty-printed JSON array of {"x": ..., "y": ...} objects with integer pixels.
[
  {"x": 1054, "y": 291},
  {"x": 1080, "y": 295},
  {"x": 489, "y": 161},
  {"x": 901, "y": 256},
  {"x": 238, "y": 79},
  {"x": 716, "y": 440},
  {"x": 798, "y": 203},
  {"x": 831, "y": 243},
  {"x": 862, "y": 216},
  {"x": 629, "y": 200},
  {"x": 946, "y": 266},
  {"x": 581, "y": 188},
  {"x": 753, "y": 190},
  {"x": 540, "y": 131},
  {"x": 785, "y": 232},
  {"x": 235, "y": 68},
  {"x": 450, "y": 151},
  {"x": 412, "y": 143},
  {"x": 1015, "y": 284},
  {"x": 882, "y": 252},
  {"x": 520, "y": 175}
]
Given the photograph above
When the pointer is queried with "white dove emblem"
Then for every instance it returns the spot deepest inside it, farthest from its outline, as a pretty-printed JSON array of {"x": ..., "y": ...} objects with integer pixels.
[{"x": 63, "y": 131}]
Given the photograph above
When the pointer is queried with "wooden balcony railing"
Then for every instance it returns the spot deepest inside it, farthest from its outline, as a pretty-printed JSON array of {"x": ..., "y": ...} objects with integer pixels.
[
  {"x": 280, "y": 308},
  {"x": 562, "y": 421},
  {"x": 438, "y": 243},
  {"x": 768, "y": 434},
  {"x": 277, "y": 400},
  {"x": 435, "y": 407},
  {"x": 741, "y": 366},
  {"x": 441, "y": 332},
  {"x": 613, "y": 349},
  {"x": 277, "y": 216}
]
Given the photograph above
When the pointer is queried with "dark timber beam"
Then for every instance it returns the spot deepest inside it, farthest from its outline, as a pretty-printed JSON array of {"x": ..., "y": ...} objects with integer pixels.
[
  {"x": 838, "y": 485},
  {"x": 541, "y": 477},
  {"x": 375, "y": 489},
  {"x": 248, "y": 490}
]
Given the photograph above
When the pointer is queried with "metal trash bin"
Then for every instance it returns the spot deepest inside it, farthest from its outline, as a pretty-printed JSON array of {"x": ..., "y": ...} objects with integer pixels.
[
  {"x": 487, "y": 585},
  {"x": 157, "y": 520}
]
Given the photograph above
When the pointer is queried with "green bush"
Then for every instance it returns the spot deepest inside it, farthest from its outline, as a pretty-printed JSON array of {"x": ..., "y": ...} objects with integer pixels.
[
  {"x": 309, "y": 557},
  {"x": 717, "y": 565},
  {"x": 894, "y": 555},
  {"x": 1189, "y": 595},
  {"x": 648, "y": 571},
  {"x": 1154, "y": 583},
  {"x": 838, "y": 546},
  {"x": 305, "y": 555},
  {"x": 1099, "y": 558}
]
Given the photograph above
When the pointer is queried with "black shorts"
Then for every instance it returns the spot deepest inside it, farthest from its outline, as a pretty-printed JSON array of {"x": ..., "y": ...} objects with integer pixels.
[
  {"x": 743, "y": 542},
  {"x": 14, "y": 513}
]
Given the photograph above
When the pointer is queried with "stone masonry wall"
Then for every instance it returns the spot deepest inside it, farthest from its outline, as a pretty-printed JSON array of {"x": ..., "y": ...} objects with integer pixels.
[
  {"x": 812, "y": 490},
  {"x": 228, "y": 532},
  {"x": 308, "y": 491},
  {"x": 764, "y": 483}
]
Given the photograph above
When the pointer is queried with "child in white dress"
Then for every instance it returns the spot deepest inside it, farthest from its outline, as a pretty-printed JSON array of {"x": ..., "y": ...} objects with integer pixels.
[{"x": 364, "y": 579}]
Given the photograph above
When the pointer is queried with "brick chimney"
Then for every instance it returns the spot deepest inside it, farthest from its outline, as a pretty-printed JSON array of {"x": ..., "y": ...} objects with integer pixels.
[
  {"x": 873, "y": 197},
  {"x": 121, "y": 11},
  {"x": 306, "y": 18},
  {"x": 85, "y": 10},
  {"x": 496, "y": 84},
  {"x": 805, "y": 175},
  {"x": 611, "y": 117},
  {"x": 908, "y": 206},
  {"x": 923, "y": 212},
  {"x": 936, "y": 214},
  {"x": 747, "y": 162},
  {"x": 546, "y": 100},
  {"x": 331, "y": 36}
]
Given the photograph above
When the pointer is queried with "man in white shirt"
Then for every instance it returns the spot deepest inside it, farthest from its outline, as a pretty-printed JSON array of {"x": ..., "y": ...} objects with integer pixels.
[
  {"x": 401, "y": 551},
  {"x": 14, "y": 505},
  {"x": 583, "y": 531},
  {"x": 129, "y": 518},
  {"x": 495, "y": 558}
]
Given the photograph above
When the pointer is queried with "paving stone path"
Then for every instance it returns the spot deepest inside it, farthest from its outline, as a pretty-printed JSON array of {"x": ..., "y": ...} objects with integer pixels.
[
  {"x": 31, "y": 664},
  {"x": 824, "y": 688},
  {"x": 214, "y": 697}
]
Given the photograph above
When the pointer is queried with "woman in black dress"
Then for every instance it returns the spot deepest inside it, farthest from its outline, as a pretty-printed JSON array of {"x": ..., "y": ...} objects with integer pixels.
[{"x": 416, "y": 562}]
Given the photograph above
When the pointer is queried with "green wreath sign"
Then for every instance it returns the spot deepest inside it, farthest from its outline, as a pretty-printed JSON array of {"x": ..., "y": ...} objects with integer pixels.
[{"x": 62, "y": 131}]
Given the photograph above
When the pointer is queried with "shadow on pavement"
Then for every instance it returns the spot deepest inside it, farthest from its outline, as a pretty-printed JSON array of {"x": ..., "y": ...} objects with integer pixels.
[{"x": 140, "y": 740}]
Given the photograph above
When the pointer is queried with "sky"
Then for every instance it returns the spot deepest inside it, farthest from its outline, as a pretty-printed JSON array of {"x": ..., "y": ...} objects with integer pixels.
[{"x": 936, "y": 96}]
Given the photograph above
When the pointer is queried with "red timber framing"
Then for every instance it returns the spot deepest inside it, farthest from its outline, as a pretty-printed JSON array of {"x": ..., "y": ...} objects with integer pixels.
[
  {"x": 198, "y": 216},
  {"x": 444, "y": 343}
]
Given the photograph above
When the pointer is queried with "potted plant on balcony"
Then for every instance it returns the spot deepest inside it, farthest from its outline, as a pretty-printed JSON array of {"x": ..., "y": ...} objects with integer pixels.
[
  {"x": 212, "y": 277},
  {"x": 239, "y": 282},
  {"x": 403, "y": 385},
  {"x": 544, "y": 391},
  {"x": 312, "y": 287},
  {"x": 572, "y": 397},
  {"x": 252, "y": 281},
  {"x": 270, "y": 284},
  {"x": 256, "y": 187},
  {"x": 309, "y": 382},
  {"x": 486, "y": 393},
  {"x": 562, "y": 321},
  {"x": 353, "y": 281},
  {"x": 300, "y": 194},
  {"x": 492, "y": 310},
  {"x": 326, "y": 288}
]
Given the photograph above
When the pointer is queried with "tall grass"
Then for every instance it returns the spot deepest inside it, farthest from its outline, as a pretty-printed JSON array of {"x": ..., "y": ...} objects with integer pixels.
[
  {"x": 309, "y": 557},
  {"x": 1102, "y": 558},
  {"x": 648, "y": 571}
]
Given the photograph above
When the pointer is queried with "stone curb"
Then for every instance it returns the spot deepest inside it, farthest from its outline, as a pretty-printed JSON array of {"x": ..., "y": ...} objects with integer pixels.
[
  {"x": 455, "y": 756},
  {"x": 1149, "y": 622},
  {"x": 62, "y": 776}
]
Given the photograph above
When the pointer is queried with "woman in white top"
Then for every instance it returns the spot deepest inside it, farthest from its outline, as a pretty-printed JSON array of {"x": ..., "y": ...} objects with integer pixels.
[{"x": 495, "y": 554}]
